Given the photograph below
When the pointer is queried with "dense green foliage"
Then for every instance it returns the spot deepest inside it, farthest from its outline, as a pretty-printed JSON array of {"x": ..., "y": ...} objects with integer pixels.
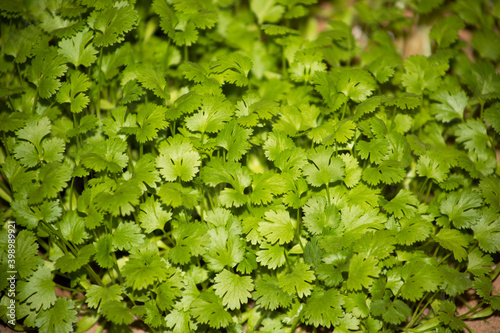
[{"x": 212, "y": 165}]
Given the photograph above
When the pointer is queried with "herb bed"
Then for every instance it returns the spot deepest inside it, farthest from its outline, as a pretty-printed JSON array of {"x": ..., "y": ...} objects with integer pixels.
[{"x": 251, "y": 165}]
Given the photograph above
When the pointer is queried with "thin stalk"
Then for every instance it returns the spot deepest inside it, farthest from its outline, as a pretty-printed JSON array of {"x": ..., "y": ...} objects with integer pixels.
[
  {"x": 299, "y": 227},
  {"x": 35, "y": 102},
  {"x": 284, "y": 71},
  {"x": 73, "y": 250},
  {"x": 343, "y": 111},
  {"x": 482, "y": 109},
  {"x": 21, "y": 81},
  {"x": 472, "y": 310},
  {"x": 428, "y": 192},
  {"x": 115, "y": 263},
  {"x": 288, "y": 262},
  {"x": 494, "y": 274},
  {"x": 71, "y": 194},
  {"x": 4, "y": 194},
  {"x": 444, "y": 258},
  {"x": 75, "y": 125},
  {"x": 421, "y": 191},
  {"x": 419, "y": 313},
  {"x": 98, "y": 103},
  {"x": 417, "y": 310},
  {"x": 70, "y": 289},
  {"x": 328, "y": 194}
]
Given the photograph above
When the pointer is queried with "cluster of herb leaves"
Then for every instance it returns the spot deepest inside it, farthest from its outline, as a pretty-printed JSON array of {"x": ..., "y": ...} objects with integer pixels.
[{"x": 199, "y": 165}]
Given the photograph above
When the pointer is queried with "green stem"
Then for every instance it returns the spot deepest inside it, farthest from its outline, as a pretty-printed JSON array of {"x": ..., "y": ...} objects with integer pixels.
[
  {"x": 494, "y": 274},
  {"x": 115, "y": 262},
  {"x": 5, "y": 194},
  {"x": 21, "y": 81},
  {"x": 70, "y": 289},
  {"x": 186, "y": 54},
  {"x": 428, "y": 192},
  {"x": 71, "y": 194},
  {"x": 75, "y": 125},
  {"x": 444, "y": 258},
  {"x": 471, "y": 309},
  {"x": 35, "y": 102},
  {"x": 421, "y": 191},
  {"x": 284, "y": 71},
  {"x": 343, "y": 111},
  {"x": 419, "y": 313},
  {"x": 55, "y": 233},
  {"x": 417, "y": 310},
  {"x": 482, "y": 109},
  {"x": 98, "y": 103},
  {"x": 288, "y": 262},
  {"x": 328, "y": 194},
  {"x": 299, "y": 227}
]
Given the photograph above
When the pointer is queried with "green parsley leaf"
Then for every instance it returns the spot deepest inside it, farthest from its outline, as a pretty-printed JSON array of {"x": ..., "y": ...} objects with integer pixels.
[
  {"x": 266, "y": 11},
  {"x": 415, "y": 229},
  {"x": 394, "y": 312},
  {"x": 376, "y": 149},
  {"x": 432, "y": 166},
  {"x": 73, "y": 92},
  {"x": 447, "y": 316},
  {"x": 453, "y": 240},
  {"x": 127, "y": 236},
  {"x": 422, "y": 74},
  {"x": 271, "y": 256},
  {"x": 460, "y": 208},
  {"x": 233, "y": 68},
  {"x": 111, "y": 24},
  {"x": 208, "y": 309},
  {"x": 325, "y": 168},
  {"x": 318, "y": 215},
  {"x": 362, "y": 270},
  {"x": 445, "y": 31},
  {"x": 323, "y": 308},
  {"x": 45, "y": 71},
  {"x": 78, "y": 49},
  {"x": 99, "y": 295},
  {"x": 152, "y": 215},
  {"x": 403, "y": 204},
  {"x": 356, "y": 84},
  {"x": 39, "y": 290},
  {"x": 452, "y": 105},
  {"x": 154, "y": 81},
  {"x": 190, "y": 241},
  {"x": 69, "y": 263},
  {"x": 234, "y": 289},
  {"x": 298, "y": 281},
  {"x": 479, "y": 263},
  {"x": 235, "y": 140},
  {"x": 117, "y": 312},
  {"x": 106, "y": 155},
  {"x": 212, "y": 116},
  {"x": 492, "y": 116},
  {"x": 59, "y": 318},
  {"x": 389, "y": 172},
  {"x": 144, "y": 268},
  {"x": 487, "y": 231},
  {"x": 269, "y": 295},
  {"x": 278, "y": 227},
  {"x": 473, "y": 135},
  {"x": 177, "y": 159},
  {"x": 265, "y": 186}
]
